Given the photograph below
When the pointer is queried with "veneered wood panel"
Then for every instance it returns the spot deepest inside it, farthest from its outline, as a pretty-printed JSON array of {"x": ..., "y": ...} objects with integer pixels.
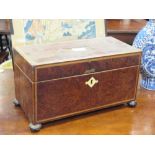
[
  {"x": 71, "y": 95},
  {"x": 52, "y": 72},
  {"x": 24, "y": 65},
  {"x": 24, "y": 90},
  {"x": 75, "y": 50}
]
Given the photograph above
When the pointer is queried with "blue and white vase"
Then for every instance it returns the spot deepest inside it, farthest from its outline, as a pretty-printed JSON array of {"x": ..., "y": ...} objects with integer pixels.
[{"x": 145, "y": 40}]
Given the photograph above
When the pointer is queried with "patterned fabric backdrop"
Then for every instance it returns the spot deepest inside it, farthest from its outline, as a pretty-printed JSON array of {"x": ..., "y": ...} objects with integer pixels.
[{"x": 40, "y": 31}]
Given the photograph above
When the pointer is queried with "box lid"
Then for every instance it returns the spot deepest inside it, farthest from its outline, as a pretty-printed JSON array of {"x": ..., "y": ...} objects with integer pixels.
[{"x": 73, "y": 50}]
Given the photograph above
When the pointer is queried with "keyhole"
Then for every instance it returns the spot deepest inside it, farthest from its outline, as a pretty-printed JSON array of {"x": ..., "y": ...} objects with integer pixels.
[{"x": 91, "y": 81}]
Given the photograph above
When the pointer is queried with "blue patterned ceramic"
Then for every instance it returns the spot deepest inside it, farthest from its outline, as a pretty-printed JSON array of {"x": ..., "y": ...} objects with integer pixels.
[{"x": 145, "y": 40}]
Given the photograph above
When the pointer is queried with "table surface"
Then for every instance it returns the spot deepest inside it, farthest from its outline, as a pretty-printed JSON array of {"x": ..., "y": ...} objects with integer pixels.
[
  {"x": 115, "y": 120},
  {"x": 74, "y": 50},
  {"x": 124, "y": 26}
]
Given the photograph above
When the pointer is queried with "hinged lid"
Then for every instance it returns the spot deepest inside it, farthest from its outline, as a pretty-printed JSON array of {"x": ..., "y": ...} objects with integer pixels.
[
  {"x": 72, "y": 58},
  {"x": 73, "y": 50}
]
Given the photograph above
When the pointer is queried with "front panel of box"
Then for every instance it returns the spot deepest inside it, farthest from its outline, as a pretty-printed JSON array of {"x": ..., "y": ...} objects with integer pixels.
[
  {"x": 71, "y": 95},
  {"x": 48, "y": 72}
]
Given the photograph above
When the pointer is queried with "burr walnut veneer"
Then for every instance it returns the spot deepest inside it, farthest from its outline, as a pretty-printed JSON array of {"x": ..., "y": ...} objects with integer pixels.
[{"x": 58, "y": 80}]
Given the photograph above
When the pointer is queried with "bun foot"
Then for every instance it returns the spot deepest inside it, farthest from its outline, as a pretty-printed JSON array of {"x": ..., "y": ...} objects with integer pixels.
[
  {"x": 16, "y": 103},
  {"x": 35, "y": 127},
  {"x": 132, "y": 104}
]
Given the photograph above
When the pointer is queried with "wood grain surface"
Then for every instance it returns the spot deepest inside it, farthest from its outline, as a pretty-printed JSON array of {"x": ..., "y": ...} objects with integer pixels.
[
  {"x": 58, "y": 98},
  {"x": 74, "y": 50}
]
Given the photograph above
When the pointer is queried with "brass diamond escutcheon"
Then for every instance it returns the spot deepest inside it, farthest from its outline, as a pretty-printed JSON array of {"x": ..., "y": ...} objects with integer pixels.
[{"x": 91, "y": 82}]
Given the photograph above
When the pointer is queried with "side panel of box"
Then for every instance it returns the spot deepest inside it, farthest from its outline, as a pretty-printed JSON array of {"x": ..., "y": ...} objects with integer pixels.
[
  {"x": 24, "y": 91},
  {"x": 24, "y": 65},
  {"x": 68, "y": 96}
]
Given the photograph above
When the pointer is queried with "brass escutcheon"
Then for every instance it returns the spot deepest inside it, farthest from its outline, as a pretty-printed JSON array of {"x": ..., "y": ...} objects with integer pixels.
[
  {"x": 91, "y": 82},
  {"x": 89, "y": 71}
]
